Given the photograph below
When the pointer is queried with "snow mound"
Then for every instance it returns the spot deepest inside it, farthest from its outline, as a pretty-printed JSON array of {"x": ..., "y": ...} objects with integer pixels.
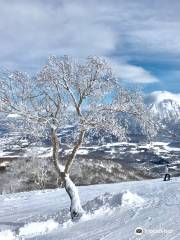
[
  {"x": 131, "y": 199},
  {"x": 38, "y": 228},
  {"x": 7, "y": 235},
  {"x": 106, "y": 204},
  {"x": 68, "y": 224},
  {"x": 110, "y": 201},
  {"x": 101, "y": 203},
  {"x": 30, "y": 230}
]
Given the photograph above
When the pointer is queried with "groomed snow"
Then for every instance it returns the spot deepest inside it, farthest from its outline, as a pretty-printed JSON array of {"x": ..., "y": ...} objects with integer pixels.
[{"x": 113, "y": 212}]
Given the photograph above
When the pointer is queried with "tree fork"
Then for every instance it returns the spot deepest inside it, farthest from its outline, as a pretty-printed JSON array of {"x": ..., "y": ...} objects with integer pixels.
[{"x": 74, "y": 152}]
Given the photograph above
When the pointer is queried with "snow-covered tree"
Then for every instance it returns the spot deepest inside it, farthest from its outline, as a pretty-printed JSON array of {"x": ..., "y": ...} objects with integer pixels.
[{"x": 67, "y": 92}]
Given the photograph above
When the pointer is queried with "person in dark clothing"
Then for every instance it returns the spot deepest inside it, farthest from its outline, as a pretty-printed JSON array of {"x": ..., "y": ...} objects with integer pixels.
[{"x": 167, "y": 175}]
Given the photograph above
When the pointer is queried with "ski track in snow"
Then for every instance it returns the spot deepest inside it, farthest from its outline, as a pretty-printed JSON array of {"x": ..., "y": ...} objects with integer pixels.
[{"x": 113, "y": 212}]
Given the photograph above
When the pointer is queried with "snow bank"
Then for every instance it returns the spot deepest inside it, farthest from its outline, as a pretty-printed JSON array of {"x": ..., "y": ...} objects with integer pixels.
[
  {"x": 107, "y": 204},
  {"x": 175, "y": 149},
  {"x": 68, "y": 224},
  {"x": 82, "y": 151},
  {"x": 133, "y": 151},
  {"x": 14, "y": 115},
  {"x": 7, "y": 235},
  {"x": 30, "y": 230},
  {"x": 38, "y": 228},
  {"x": 110, "y": 201},
  {"x": 131, "y": 199}
]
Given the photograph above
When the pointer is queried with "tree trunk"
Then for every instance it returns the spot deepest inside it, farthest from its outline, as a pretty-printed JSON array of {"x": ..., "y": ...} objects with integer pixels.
[
  {"x": 55, "y": 144},
  {"x": 75, "y": 209}
]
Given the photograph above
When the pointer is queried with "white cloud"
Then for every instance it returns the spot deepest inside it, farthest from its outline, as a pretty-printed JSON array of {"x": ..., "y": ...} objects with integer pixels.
[
  {"x": 31, "y": 30},
  {"x": 132, "y": 73},
  {"x": 159, "y": 96}
]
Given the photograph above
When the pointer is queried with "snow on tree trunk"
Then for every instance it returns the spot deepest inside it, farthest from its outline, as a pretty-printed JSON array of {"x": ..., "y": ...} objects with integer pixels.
[
  {"x": 76, "y": 209},
  {"x": 55, "y": 144}
]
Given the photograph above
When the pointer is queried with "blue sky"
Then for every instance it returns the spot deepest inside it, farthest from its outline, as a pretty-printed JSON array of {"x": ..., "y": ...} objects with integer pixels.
[{"x": 140, "y": 38}]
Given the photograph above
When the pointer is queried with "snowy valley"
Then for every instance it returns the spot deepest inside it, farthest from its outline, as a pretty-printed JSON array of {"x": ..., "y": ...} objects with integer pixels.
[{"x": 107, "y": 162}]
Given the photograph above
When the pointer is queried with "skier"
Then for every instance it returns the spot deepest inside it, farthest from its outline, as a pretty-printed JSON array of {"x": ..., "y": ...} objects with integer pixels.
[{"x": 167, "y": 175}]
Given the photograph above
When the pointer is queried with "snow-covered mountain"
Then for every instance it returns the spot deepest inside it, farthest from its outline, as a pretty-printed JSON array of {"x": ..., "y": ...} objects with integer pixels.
[{"x": 165, "y": 105}]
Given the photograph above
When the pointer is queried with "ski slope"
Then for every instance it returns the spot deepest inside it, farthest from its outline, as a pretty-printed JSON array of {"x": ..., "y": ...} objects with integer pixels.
[{"x": 114, "y": 211}]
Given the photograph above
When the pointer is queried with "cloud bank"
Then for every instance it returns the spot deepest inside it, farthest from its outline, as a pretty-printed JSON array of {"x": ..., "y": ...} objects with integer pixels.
[
  {"x": 132, "y": 73},
  {"x": 31, "y": 30},
  {"x": 159, "y": 96}
]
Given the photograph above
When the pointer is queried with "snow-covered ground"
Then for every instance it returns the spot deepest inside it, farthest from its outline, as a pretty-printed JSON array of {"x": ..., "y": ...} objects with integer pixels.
[
  {"x": 114, "y": 211},
  {"x": 9, "y": 149}
]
